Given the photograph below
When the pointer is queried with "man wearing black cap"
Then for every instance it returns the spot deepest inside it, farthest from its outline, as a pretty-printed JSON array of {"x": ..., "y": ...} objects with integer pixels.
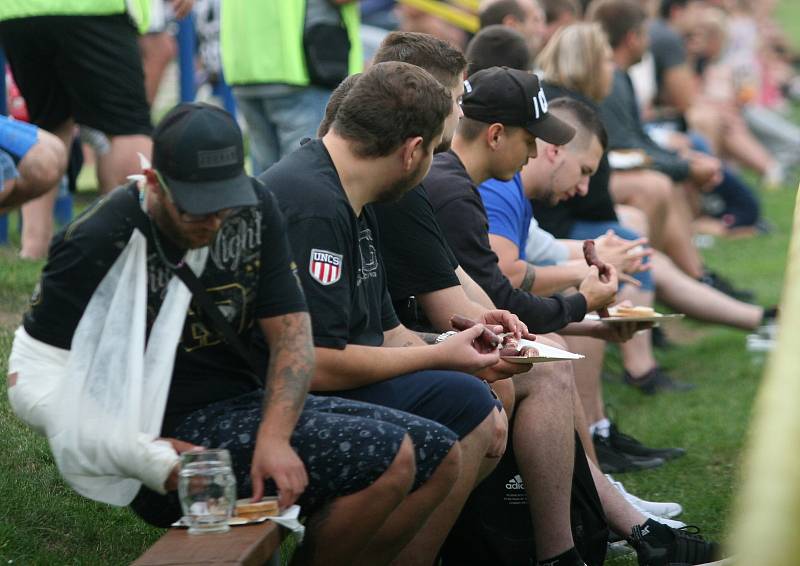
[
  {"x": 196, "y": 195},
  {"x": 505, "y": 110}
]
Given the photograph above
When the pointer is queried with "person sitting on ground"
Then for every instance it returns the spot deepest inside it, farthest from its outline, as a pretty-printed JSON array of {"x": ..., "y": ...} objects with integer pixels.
[
  {"x": 378, "y": 147},
  {"x": 197, "y": 197}
]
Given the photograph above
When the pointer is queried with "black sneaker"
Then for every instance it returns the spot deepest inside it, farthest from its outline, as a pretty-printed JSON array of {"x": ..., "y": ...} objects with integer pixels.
[
  {"x": 655, "y": 381},
  {"x": 660, "y": 545},
  {"x": 714, "y": 279},
  {"x": 629, "y": 445},
  {"x": 613, "y": 461}
]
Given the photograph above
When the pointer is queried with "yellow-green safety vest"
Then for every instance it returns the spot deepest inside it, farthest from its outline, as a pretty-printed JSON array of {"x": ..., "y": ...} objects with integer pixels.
[
  {"x": 139, "y": 10},
  {"x": 262, "y": 41}
]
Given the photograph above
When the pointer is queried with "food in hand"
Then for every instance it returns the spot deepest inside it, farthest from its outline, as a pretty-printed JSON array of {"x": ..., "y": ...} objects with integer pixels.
[
  {"x": 488, "y": 338},
  {"x": 267, "y": 507},
  {"x": 512, "y": 348},
  {"x": 591, "y": 257},
  {"x": 633, "y": 311}
]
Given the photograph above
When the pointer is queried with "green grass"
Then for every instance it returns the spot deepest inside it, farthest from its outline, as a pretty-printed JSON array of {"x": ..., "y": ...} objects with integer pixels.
[{"x": 44, "y": 522}]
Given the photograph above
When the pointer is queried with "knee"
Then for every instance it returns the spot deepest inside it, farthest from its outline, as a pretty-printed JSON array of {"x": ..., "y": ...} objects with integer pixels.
[
  {"x": 45, "y": 163},
  {"x": 399, "y": 476},
  {"x": 657, "y": 188},
  {"x": 450, "y": 467},
  {"x": 634, "y": 219},
  {"x": 558, "y": 380}
]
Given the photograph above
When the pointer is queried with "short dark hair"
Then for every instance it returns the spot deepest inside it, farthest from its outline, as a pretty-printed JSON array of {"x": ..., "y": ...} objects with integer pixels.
[
  {"x": 498, "y": 46},
  {"x": 618, "y": 18},
  {"x": 554, "y": 8},
  {"x": 439, "y": 58},
  {"x": 666, "y": 7},
  {"x": 496, "y": 12},
  {"x": 469, "y": 129},
  {"x": 585, "y": 119},
  {"x": 390, "y": 103},
  {"x": 335, "y": 100}
]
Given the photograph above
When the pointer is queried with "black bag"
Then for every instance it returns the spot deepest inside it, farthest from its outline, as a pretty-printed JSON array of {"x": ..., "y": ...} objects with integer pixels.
[
  {"x": 327, "y": 51},
  {"x": 495, "y": 528}
]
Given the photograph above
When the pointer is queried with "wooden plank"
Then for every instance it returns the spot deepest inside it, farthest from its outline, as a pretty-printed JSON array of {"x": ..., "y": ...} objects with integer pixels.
[{"x": 249, "y": 545}]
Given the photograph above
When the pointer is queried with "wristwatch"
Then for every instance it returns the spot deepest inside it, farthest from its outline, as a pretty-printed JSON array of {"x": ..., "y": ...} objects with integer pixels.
[{"x": 445, "y": 335}]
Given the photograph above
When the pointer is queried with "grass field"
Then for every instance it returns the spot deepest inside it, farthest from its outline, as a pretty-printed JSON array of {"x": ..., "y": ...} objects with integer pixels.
[{"x": 44, "y": 522}]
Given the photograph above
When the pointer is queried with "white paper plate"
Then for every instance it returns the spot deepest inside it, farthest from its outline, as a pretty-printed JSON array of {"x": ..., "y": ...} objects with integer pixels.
[
  {"x": 658, "y": 317},
  {"x": 546, "y": 354}
]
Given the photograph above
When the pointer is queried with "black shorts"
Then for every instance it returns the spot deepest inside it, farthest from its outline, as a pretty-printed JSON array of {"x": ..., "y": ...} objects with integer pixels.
[
  {"x": 345, "y": 446},
  {"x": 87, "y": 68},
  {"x": 457, "y": 400}
]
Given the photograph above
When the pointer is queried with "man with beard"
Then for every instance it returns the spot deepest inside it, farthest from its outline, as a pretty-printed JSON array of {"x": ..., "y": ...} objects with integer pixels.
[{"x": 379, "y": 146}]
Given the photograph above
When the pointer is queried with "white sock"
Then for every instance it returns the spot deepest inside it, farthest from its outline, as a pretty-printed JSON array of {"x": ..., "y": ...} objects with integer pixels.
[{"x": 601, "y": 428}]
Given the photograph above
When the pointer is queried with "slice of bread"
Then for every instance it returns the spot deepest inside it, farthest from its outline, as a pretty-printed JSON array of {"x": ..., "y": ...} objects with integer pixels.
[
  {"x": 633, "y": 311},
  {"x": 267, "y": 507}
]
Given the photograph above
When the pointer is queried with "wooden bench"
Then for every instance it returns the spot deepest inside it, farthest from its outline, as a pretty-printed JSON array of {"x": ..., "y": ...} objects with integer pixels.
[{"x": 252, "y": 545}]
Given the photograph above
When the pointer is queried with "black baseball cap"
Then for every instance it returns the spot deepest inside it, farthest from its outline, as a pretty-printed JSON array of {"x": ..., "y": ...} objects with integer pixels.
[
  {"x": 198, "y": 150},
  {"x": 513, "y": 98}
]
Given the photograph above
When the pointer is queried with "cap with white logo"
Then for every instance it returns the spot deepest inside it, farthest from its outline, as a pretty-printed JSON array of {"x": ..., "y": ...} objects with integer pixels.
[{"x": 513, "y": 98}]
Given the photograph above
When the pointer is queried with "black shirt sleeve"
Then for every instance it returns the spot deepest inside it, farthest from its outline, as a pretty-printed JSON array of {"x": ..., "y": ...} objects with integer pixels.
[
  {"x": 279, "y": 290},
  {"x": 78, "y": 259},
  {"x": 416, "y": 254},
  {"x": 463, "y": 221},
  {"x": 318, "y": 244},
  {"x": 620, "y": 115}
]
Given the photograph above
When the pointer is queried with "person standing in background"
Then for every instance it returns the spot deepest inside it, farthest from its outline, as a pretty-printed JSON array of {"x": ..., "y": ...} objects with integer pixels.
[{"x": 283, "y": 59}]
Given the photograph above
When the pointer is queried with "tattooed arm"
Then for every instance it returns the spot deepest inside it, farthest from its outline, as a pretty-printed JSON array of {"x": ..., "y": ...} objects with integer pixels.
[{"x": 291, "y": 366}]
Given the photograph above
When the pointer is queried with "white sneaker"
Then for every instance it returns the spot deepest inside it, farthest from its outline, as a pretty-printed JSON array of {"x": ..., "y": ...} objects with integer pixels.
[
  {"x": 654, "y": 509},
  {"x": 674, "y": 523}
]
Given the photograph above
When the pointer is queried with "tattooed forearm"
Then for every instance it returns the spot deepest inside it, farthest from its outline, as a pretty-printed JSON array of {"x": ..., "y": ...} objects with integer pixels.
[
  {"x": 427, "y": 337},
  {"x": 291, "y": 364}
]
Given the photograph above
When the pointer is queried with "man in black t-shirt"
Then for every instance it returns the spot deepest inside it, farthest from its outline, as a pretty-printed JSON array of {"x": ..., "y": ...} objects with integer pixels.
[
  {"x": 379, "y": 146},
  {"x": 354, "y": 460}
]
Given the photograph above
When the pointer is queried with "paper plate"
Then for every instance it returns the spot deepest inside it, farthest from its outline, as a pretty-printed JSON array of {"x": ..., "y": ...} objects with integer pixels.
[
  {"x": 546, "y": 354},
  {"x": 658, "y": 317}
]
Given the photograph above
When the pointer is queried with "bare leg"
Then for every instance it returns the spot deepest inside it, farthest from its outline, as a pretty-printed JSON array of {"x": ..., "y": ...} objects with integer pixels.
[
  {"x": 587, "y": 374},
  {"x": 430, "y": 535},
  {"x": 122, "y": 160},
  {"x": 668, "y": 216},
  {"x": 37, "y": 215},
  {"x": 700, "y": 301},
  {"x": 157, "y": 49},
  {"x": 637, "y": 353},
  {"x": 339, "y": 533},
  {"x": 677, "y": 236},
  {"x": 544, "y": 446},
  {"x": 647, "y": 191},
  {"x": 622, "y": 517}
]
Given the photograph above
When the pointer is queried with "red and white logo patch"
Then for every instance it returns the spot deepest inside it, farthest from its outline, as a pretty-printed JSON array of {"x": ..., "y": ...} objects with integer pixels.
[{"x": 325, "y": 266}]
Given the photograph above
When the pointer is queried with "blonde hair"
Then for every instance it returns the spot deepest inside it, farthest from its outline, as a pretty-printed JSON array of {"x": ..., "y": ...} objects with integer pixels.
[{"x": 574, "y": 59}]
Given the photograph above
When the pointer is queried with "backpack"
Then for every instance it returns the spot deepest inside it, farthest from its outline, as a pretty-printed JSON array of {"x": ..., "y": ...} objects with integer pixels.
[{"x": 495, "y": 527}]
